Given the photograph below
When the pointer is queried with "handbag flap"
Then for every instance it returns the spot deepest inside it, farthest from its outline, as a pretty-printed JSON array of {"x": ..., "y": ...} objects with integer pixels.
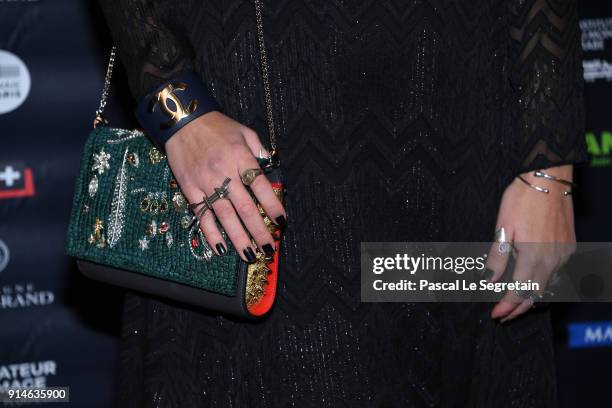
[{"x": 129, "y": 213}]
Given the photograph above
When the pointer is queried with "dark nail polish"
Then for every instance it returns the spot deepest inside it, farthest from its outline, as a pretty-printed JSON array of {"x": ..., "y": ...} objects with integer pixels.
[
  {"x": 281, "y": 221},
  {"x": 249, "y": 255},
  {"x": 488, "y": 274},
  {"x": 220, "y": 249},
  {"x": 268, "y": 250}
]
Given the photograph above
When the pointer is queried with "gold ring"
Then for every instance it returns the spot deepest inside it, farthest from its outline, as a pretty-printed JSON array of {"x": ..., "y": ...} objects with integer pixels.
[{"x": 249, "y": 175}]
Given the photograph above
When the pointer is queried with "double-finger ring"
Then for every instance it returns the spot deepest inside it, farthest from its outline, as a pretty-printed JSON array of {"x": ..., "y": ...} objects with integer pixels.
[
  {"x": 249, "y": 175},
  {"x": 220, "y": 192},
  {"x": 207, "y": 202}
]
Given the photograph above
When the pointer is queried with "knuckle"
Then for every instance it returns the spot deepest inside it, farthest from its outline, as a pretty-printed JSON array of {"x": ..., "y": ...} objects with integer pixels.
[
  {"x": 244, "y": 154},
  {"x": 216, "y": 164}
]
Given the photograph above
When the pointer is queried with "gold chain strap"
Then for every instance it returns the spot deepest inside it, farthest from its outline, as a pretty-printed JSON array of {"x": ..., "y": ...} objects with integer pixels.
[
  {"x": 99, "y": 119},
  {"x": 266, "y": 82}
]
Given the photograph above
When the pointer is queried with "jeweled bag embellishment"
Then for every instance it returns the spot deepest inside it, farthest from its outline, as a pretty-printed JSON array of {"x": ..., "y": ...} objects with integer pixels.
[
  {"x": 116, "y": 218},
  {"x": 92, "y": 188},
  {"x": 133, "y": 159},
  {"x": 143, "y": 243},
  {"x": 154, "y": 229},
  {"x": 163, "y": 227},
  {"x": 151, "y": 229},
  {"x": 198, "y": 246},
  {"x": 185, "y": 221},
  {"x": 100, "y": 165},
  {"x": 154, "y": 203},
  {"x": 179, "y": 201},
  {"x": 97, "y": 236},
  {"x": 155, "y": 156},
  {"x": 169, "y": 240},
  {"x": 101, "y": 162}
]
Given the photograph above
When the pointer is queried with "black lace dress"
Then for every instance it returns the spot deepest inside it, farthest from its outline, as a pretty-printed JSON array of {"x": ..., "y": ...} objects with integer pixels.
[{"x": 398, "y": 121}]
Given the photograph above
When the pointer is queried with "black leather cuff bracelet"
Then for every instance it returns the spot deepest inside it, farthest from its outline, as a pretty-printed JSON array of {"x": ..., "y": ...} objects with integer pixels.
[{"x": 173, "y": 105}]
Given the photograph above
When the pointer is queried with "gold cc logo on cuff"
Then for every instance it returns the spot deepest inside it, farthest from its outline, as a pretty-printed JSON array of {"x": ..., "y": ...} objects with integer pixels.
[{"x": 176, "y": 111}]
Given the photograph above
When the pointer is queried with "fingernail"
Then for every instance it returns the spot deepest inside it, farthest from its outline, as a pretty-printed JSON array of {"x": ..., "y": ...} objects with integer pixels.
[
  {"x": 249, "y": 255},
  {"x": 268, "y": 250},
  {"x": 488, "y": 274},
  {"x": 220, "y": 249},
  {"x": 281, "y": 221}
]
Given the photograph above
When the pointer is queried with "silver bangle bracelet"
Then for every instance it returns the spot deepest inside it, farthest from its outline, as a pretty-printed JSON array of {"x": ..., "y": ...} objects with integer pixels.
[
  {"x": 544, "y": 189},
  {"x": 540, "y": 173},
  {"x": 537, "y": 188}
]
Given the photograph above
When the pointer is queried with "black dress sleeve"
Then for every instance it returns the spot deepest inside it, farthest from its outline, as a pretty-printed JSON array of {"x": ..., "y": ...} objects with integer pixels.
[
  {"x": 547, "y": 85},
  {"x": 151, "y": 43}
]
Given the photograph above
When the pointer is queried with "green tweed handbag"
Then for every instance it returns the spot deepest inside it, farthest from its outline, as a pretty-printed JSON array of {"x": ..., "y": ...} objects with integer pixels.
[{"x": 131, "y": 225}]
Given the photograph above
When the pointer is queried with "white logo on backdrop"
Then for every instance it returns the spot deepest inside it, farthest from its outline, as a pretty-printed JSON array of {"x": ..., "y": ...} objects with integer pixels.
[
  {"x": 9, "y": 175},
  {"x": 21, "y": 295},
  {"x": 595, "y": 34},
  {"x": 597, "y": 69},
  {"x": 14, "y": 81},
  {"x": 31, "y": 374}
]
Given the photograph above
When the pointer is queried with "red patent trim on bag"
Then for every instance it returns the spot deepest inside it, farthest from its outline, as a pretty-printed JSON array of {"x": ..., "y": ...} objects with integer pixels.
[{"x": 266, "y": 302}]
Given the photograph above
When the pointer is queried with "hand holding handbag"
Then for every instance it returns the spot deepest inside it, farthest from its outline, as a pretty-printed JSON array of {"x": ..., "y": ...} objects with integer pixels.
[{"x": 132, "y": 226}]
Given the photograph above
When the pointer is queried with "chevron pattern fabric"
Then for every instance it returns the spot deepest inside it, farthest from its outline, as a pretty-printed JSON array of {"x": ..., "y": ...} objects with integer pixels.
[{"x": 398, "y": 121}]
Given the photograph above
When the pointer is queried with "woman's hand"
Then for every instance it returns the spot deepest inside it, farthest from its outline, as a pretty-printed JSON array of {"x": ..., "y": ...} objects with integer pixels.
[
  {"x": 201, "y": 155},
  {"x": 530, "y": 216}
]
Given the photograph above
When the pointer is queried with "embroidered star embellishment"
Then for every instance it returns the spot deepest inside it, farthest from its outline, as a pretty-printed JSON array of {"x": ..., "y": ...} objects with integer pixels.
[
  {"x": 143, "y": 243},
  {"x": 101, "y": 163}
]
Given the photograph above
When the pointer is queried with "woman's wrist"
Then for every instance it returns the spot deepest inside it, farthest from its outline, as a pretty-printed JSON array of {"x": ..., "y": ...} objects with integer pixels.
[
  {"x": 172, "y": 105},
  {"x": 552, "y": 180}
]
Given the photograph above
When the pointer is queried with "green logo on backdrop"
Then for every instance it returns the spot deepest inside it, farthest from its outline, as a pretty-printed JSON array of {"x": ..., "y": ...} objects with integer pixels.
[{"x": 600, "y": 148}]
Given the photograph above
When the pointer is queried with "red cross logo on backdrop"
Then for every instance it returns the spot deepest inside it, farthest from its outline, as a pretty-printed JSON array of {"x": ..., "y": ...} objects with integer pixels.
[{"x": 16, "y": 181}]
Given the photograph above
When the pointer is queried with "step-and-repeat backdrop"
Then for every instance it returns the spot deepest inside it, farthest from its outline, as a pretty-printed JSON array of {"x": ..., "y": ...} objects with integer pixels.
[{"x": 60, "y": 329}]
